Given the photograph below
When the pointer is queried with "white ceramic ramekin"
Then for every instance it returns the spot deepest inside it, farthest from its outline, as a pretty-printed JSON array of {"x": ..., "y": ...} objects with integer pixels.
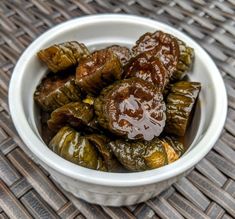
[{"x": 113, "y": 188}]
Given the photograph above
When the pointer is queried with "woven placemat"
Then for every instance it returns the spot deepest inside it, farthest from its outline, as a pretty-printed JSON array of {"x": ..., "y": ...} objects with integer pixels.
[{"x": 27, "y": 191}]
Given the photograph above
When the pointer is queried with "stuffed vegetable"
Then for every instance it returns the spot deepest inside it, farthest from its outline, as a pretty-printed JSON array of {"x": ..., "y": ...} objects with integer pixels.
[
  {"x": 75, "y": 114},
  {"x": 148, "y": 69},
  {"x": 174, "y": 54},
  {"x": 100, "y": 69},
  {"x": 70, "y": 145},
  {"x": 140, "y": 155},
  {"x": 55, "y": 91},
  {"x": 131, "y": 108},
  {"x": 62, "y": 56},
  {"x": 180, "y": 104}
]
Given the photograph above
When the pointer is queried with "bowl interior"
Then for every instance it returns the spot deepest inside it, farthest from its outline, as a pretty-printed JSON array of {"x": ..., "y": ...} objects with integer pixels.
[{"x": 98, "y": 32}]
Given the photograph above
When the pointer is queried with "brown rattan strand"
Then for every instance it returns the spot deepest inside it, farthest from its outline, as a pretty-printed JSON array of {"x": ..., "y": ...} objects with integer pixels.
[{"x": 27, "y": 191}]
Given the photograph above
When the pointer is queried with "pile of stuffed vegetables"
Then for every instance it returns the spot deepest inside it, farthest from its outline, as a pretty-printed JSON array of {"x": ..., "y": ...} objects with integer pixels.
[{"x": 118, "y": 109}]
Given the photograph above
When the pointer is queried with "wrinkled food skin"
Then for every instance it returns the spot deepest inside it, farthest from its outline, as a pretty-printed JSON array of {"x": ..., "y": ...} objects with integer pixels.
[
  {"x": 100, "y": 69},
  {"x": 148, "y": 69},
  {"x": 62, "y": 56},
  {"x": 161, "y": 45},
  {"x": 70, "y": 145},
  {"x": 101, "y": 143},
  {"x": 175, "y": 144},
  {"x": 185, "y": 61},
  {"x": 180, "y": 103},
  {"x": 122, "y": 52},
  {"x": 75, "y": 114},
  {"x": 175, "y": 55},
  {"x": 140, "y": 155},
  {"x": 54, "y": 92},
  {"x": 131, "y": 108}
]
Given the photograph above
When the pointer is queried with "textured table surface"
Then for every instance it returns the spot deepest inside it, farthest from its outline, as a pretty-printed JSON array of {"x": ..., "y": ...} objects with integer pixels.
[{"x": 27, "y": 191}]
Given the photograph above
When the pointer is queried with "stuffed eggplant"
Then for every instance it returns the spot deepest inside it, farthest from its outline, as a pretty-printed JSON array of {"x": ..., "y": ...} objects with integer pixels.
[
  {"x": 122, "y": 52},
  {"x": 100, "y": 69},
  {"x": 175, "y": 55},
  {"x": 161, "y": 45},
  {"x": 131, "y": 108},
  {"x": 55, "y": 91},
  {"x": 75, "y": 114},
  {"x": 148, "y": 69},
  {"x": 62, "y": 56},
  {"x": 70, "y": 145},
  {"x": 140, "y": 155},
  {"x": 180, "y": 104}
]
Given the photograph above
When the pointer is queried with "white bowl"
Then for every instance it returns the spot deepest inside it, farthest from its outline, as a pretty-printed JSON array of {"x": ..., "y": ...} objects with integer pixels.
[{"x": 114, "y": 189}]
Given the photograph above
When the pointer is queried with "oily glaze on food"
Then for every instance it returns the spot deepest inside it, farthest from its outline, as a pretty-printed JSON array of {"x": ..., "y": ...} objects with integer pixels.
[
  {"x": 55, "y": 91},
  {"x": 62, "y": 56},
  {"x": 70, "y": 145},
  {"x": 161, "y": 45},
  {"x": 133, "y": 108},
  {"x": 122, "y": 52},
  {"x": 100, "y": 69},
  {"x": 172, "y": 52},
  {"x": 121, "y": 109},
  {"x": 180, "y": 103},
  {"x": 76, "y": 114},
  {"x": 140, "y": 155},
  {"x": 148, "y": 69}
]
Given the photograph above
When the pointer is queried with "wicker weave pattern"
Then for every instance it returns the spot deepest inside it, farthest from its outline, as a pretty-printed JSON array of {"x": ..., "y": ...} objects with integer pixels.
[{"x": 26, "y": 190}]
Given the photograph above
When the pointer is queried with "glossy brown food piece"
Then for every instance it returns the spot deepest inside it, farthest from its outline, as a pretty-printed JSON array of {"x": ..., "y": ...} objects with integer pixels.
[
  {"x": 101, "y": 143},
  {"x": 75, "y": 114},
  {"x": 180, "y": 103},
  {"x": 140, "y": 155},
  {"x": 161, "y": 45},
  {"x": 70, "y": 145},
  {"x": 131, "y": 108},
  {"x": 54, "y": 92},
  {"x": 122, "y": 52},
  {"x": 175, "y": 55},
  {"x": 148, "y": 69},
  {"x": 62, "y": 56},
  {"x": 98, "y": 70}
]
